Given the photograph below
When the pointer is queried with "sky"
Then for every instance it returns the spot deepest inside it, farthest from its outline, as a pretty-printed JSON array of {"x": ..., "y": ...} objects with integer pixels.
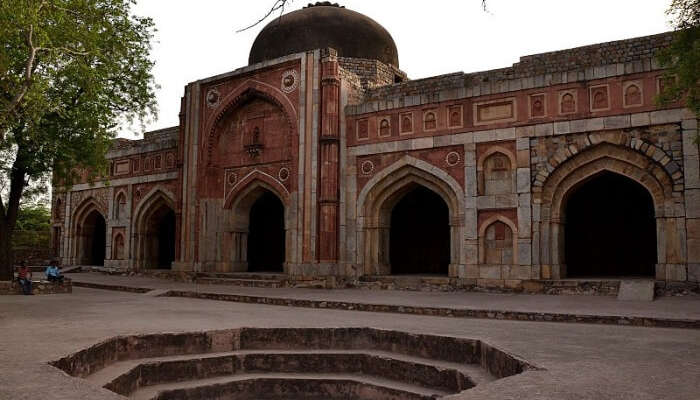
[{"x": 198, "y": 39}]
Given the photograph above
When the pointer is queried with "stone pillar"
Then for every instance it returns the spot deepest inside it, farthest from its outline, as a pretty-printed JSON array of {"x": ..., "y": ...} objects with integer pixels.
[
  {"x": 329, "y": 157},
  {"x": 471, "y": 236},
  {"x": 524, "y": 192},
  {"x": 189, "y": 151},
  {"x": 691, "y": 167}
]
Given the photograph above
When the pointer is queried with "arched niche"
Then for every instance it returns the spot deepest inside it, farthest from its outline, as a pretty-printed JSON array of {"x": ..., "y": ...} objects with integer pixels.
[
  {"x": 384, "y": 191},
  {"x": 254, "y": 122},
  {"x": 498, "y": 243},
  {"x": 496, "y": 172},
  {"x": 120, "y": 206}
]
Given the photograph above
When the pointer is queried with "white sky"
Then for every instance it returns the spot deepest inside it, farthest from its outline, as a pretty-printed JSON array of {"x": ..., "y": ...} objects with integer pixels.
[{"x": 198, "y": 39}]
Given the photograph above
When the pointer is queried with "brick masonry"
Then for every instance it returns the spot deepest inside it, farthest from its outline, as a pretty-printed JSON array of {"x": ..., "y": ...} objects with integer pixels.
[{"x": 337, "y": 140}]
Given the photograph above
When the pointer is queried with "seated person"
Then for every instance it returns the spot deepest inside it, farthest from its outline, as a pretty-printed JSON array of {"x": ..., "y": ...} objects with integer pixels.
[
  {"x": 24, "y": 277},
  {"x": 53, "y": 273}
]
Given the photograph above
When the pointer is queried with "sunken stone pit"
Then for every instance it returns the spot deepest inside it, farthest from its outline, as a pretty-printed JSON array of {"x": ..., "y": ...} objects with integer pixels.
[{"x": 290, "y": 363}]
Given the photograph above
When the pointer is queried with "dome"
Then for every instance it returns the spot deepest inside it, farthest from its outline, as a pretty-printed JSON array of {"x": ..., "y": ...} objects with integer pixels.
[{"x": 323, "y": 25}]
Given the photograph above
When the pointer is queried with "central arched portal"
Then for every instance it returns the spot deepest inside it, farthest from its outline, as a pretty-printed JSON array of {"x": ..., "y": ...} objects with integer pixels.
[
  {"x": 266, "y": 235},
  {"x": 419, "y": 235},
  {"x": 610, "y": 228}
]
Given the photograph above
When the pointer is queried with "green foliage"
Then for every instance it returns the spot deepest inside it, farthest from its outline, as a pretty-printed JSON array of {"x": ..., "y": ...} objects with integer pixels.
[
  {"x": 682, "y": 58},
  {"x": 33, "y": 227},
  {"x": 34, "y": 241},
  {"x": 34, "y": 218},
  {"x": 70, "y": 71}
]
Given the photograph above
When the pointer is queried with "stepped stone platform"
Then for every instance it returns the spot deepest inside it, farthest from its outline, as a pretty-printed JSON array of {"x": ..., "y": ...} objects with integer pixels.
[
  {"x": 285, "y": 363},
  {"x": 671, "y": 312},
  {"x": 594, "y": 286}
]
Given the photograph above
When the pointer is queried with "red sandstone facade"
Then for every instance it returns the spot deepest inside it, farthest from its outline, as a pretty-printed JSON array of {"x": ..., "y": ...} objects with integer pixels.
[{"x": 316, "y": 164}]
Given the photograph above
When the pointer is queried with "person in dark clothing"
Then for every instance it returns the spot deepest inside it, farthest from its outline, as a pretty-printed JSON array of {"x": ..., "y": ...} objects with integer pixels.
[{"x": 24, "y": 277}]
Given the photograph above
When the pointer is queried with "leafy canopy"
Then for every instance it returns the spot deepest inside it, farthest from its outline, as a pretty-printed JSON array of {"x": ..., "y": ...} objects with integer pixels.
[
  {"x": 34, "y": 217},
  {"x": 682, "y": 58},
  {"x": 70, "y": 72}
]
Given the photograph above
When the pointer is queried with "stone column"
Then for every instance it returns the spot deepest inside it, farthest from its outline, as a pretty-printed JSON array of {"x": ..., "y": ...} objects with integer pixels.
[
  {"x": 691, "y": 167},
  {"x": 328, "y": 157},
  {"x": 524, "y": 191},
  {"x": 471, "y": 236}
]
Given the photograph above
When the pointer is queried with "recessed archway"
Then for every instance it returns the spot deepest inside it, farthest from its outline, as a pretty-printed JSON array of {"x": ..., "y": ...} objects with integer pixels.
[
  {"x": 92, "y": 234},
  {"x": 384, "y": 191},
  {"x": 552, "y": 193},
  {"x": 256, "y": 238},
  {"x": 266, "y": 235},
  {"x": 419, "y": 236},
  {"x": 159, "y": 238},
  {"x": 610, "y": 229},
  {"x": 154, "y": 232}
]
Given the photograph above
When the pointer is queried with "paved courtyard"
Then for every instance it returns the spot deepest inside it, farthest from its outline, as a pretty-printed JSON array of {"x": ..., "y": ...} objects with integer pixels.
[{"x": 581, "y": 361}]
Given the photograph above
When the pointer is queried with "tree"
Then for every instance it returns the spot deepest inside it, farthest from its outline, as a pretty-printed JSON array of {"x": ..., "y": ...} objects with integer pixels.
[
  {"x": 682, "y": 58},
  {"x": 70, "y": 72},
  {"x": 33, "y": 217}
]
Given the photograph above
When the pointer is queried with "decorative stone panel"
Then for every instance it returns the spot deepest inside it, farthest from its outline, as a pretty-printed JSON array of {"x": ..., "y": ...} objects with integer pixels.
[{"x": 450, "y": 159}]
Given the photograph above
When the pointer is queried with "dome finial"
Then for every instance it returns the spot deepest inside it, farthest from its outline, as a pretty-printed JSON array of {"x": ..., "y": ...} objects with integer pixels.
[{"x": 324, "y": 4}]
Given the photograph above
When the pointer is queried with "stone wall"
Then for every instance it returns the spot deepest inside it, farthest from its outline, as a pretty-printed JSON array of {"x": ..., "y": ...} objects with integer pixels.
[
  {"x": 372, "y": 73},
  {"x": 563, "y": 66},
  {"x": 39, "y": 287}
]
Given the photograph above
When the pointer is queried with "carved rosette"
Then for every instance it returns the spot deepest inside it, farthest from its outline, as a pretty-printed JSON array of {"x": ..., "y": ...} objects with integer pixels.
[
  {"x": 367, "y": 167},
  {"x": 452, "y": 158},
  {"x": 290, "y": 81},
  {"x": 213, "y": 98}
]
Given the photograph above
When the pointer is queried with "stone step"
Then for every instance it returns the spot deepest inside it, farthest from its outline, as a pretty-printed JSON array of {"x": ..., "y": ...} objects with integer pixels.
[
  {"x": 243, "y": 275},
  {"x": 260, "y": 283},
  {"x": 428, "y": 373},
  {"x": 264, "y": 384},
  {"x": 636, "y": 290},
  {"x": 71, "y": 269}
]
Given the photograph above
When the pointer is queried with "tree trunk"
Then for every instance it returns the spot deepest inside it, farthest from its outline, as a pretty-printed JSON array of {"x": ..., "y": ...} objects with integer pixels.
[
  {"x": 9, "y": 211},
  {"x": 6, "y": 261}
]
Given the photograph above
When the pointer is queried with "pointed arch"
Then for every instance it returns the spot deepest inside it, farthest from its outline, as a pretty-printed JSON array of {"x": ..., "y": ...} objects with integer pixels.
[
  {"x": 482, "y": 237},
  {"x": 492, "y": 178},
  {"x": 248, "y": 90},
  {"x": 420, "y": 170},
  {"x": 240, "y": 201},
  {"x": 385, "y": 190},
  {"x": 88, "y": 233},
  {"x": 154, "y": 230},
  {"x": 118, "y": 247},
  {"x": 120, "y": 205},
  {"x": 610, "y": 154},
  {"x": 612, "y": 158},
  {"x": 643, "y": 153},
  {"x": 254, "y": 180}
]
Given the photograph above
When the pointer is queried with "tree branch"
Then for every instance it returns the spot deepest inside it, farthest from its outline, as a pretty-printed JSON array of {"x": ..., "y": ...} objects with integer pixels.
[
  {"x": 280, "y": 4},
  {"x": 28, "y": 70},
  {"x": 64, "y": 50},
  {"x": 277, "y": 5}
]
